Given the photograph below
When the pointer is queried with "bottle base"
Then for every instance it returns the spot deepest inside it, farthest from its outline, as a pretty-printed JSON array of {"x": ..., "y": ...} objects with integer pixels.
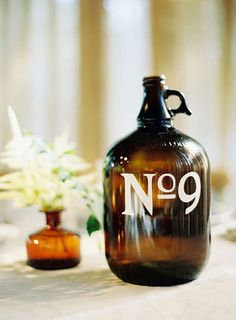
[
  {"x": 155, "y": 273},
  {"x": 52, "y": 264}
]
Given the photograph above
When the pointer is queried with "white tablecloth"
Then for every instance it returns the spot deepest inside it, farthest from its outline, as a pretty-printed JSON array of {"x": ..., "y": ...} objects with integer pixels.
[{"x": 91, "y": 291}]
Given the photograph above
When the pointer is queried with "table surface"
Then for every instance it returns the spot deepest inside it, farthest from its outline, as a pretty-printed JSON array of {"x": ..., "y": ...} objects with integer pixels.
[{"x": 91, "y": 291}]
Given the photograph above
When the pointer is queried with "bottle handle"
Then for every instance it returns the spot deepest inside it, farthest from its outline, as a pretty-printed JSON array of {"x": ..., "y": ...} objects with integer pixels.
[{"x": 182, "y": 108}]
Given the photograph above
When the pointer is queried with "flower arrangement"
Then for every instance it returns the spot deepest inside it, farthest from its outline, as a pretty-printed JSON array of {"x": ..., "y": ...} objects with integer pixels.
[{"x": 43, "y": 175}]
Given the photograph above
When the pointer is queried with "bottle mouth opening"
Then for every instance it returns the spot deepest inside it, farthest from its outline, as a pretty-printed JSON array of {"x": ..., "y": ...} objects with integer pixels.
[{"x": 154, "y": 79}]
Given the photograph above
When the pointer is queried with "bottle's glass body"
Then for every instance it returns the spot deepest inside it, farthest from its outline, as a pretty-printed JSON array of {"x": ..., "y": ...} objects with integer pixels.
[
  {"x": 53, "y": 247},
  {"x": 156, "y": 202}
]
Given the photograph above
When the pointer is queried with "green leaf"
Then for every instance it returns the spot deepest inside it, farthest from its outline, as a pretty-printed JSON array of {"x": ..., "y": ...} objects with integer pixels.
[{"x": 93, "y": 224}]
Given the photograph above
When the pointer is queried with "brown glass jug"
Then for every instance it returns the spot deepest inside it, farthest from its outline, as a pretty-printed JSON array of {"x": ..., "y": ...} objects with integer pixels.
[{"x": 157, "y": 197}]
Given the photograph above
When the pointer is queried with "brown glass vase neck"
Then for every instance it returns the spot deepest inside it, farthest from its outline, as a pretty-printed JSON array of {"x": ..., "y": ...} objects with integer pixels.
[{"x": 53, "y": 218}]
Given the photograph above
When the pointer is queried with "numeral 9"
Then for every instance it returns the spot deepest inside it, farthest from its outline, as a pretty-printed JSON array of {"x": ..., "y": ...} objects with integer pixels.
[{"x": 193, "y": 196}]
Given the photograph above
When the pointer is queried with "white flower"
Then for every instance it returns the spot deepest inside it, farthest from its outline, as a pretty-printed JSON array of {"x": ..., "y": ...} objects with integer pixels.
[
  {"x": 45, "y": 176},
  {"x": 65, "y": 157}
]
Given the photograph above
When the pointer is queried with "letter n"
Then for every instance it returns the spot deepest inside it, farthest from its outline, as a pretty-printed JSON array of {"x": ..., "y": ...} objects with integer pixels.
[{"x": 146, "y": 199}]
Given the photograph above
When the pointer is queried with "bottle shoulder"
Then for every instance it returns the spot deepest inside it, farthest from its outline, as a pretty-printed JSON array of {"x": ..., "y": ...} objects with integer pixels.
[
  {"x": 167, "y": 139},
  {"x": 152, "y": 144},
  {"x": 194, "y": 146},
  {"x": 53, "y": 232}
]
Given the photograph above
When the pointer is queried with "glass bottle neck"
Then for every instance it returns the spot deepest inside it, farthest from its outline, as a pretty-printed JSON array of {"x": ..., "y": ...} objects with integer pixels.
[
  {"x": 154, "y": 112},
  {"x": 53, "y": 219},
  {"x": 159, "y": 125}
]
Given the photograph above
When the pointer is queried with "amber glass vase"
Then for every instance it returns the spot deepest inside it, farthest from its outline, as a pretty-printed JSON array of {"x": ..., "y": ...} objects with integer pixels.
[
  {"x": 53, "y": 247},
  {"x": 157, "y": 197}
]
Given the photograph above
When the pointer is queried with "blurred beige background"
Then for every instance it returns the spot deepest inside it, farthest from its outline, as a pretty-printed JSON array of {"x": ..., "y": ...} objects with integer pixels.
[{"x": 79, "y": 64}]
